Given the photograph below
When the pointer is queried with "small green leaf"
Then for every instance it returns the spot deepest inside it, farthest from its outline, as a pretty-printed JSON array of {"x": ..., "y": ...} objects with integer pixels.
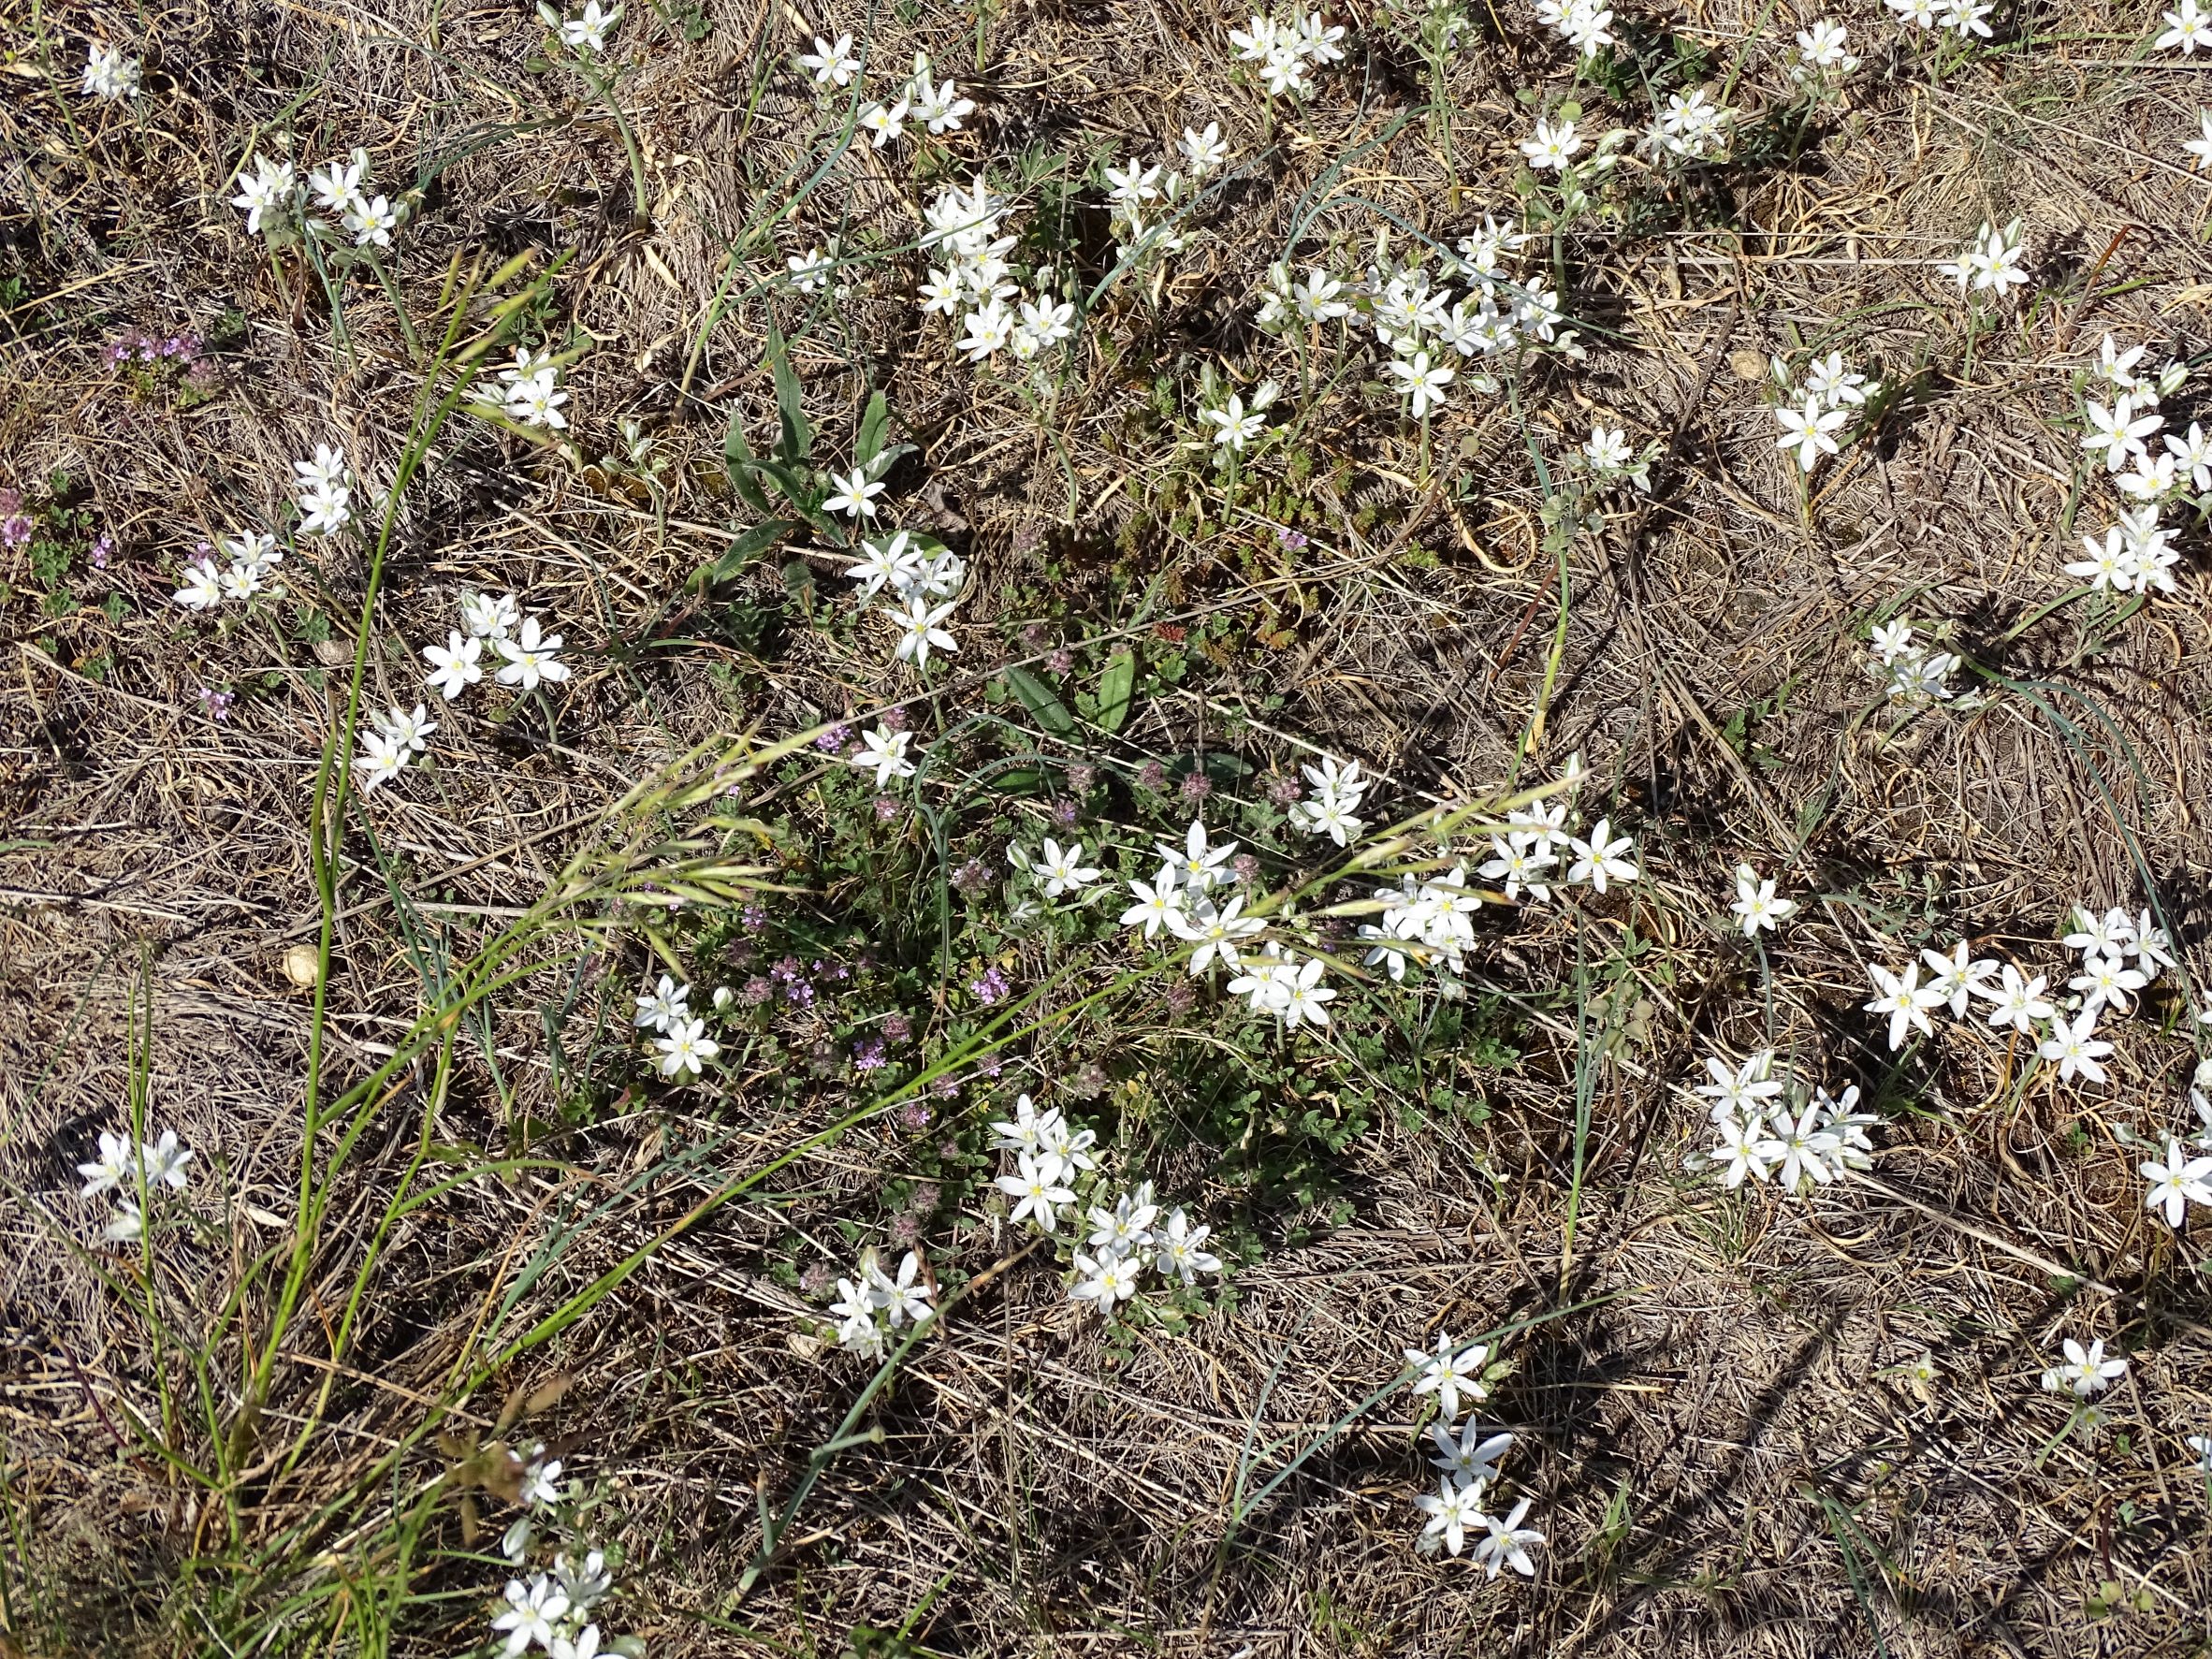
[
  {"x": 1041, "y": 702},
  {"x": 798, "y": 581},
  {"x": 748, "y": 546},
  {"x": 1223, "y": 770},
  {"x": 738, "y": 458},
  {"x": 1117, "y": 690},
  {"x": 802, "y": 495},
  {"x": 875, "y": 426},
  {"x": 796, "y": 441},
  {"x": 886, "y": 459}
]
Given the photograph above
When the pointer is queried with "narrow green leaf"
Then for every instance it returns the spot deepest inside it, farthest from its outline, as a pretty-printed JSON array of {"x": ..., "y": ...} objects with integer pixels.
[
  {"x": 790, "y": 485},
  {"x": 1117, "y": 690},
  {"x": 796, "y": 441},
  {"x": 1041, "y": 702},
  {"x": 875, "y": 426},
  {"x": 748, "y": 546},
  {"x": 798, "y": 581},
  {"x": 738, "y": 459}
]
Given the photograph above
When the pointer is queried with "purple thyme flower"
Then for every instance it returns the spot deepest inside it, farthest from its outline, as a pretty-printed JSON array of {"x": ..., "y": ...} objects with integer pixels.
[{"x": 990, "y": 986}]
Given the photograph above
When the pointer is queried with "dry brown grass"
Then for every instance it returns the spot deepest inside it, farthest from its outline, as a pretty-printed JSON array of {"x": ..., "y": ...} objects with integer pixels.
[{"x": 1732, "y": 1392}]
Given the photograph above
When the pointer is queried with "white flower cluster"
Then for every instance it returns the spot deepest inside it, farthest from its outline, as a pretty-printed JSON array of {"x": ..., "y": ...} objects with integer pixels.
[
  {"x": 1757, "y": 905},
  {"x": 553, "y": 1612},
  {"x": 921, "y": 584},
  {"x": 326, "y": 486},
  {"x": 1524, "y": 858},
  {"x": 393, "y": 746},
  {"x": 585, "y": 31},
  {"x": 1829, "y": 394},
  {"x": 935, "y": 104},
  {"x": 1133, "y": 191},
  {"x": 272, "y": 196},
  {"x": 1055, "y": 869},
  {"x": 127, "y": 1166},
  {"x": 2108, "y": 946},
  {"x": 974, "y": 281},
  {"x": 1778, "y": 1129},
  {"x": 1130, "y": 1240},
  {"x": 1338, "y": 789},
  {"x": 1909, "y": 669},
  {"x": 1467, "y": 1463},
  {"x": 1286, "y": 54},
  {"x": 684, "y": 1045},
  {"x": 1180, "y": 899},
  {"x": 530, "y": 391},
  {"x": 252, "y": 556},
  {"x": 1991, "y": 263},
  {"x": 2085, "y": 1371},
  {"x": 1280, "y": 985},
  {"x": 1583, "y": 24},
  {"x": 1692, "y": 128},
  {"x": 1126, "y": 1241},
  {"x": 1823, "y": 49},
  {"x": 872, "y": 1303},
  {"x": 109, "y": 75},
  {"x": 1423, "y": 923},
  {"x": 2135, "y": 555},
  {"x": 1234, "y": 423},
  {"x": 1049, "y": 1153},
  {"x": 1963, "y": 17},
  {"x": 1610, "y": 458},
  {"x": 532, "y": 654},
  {"x": 1414, "y": 316}
]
